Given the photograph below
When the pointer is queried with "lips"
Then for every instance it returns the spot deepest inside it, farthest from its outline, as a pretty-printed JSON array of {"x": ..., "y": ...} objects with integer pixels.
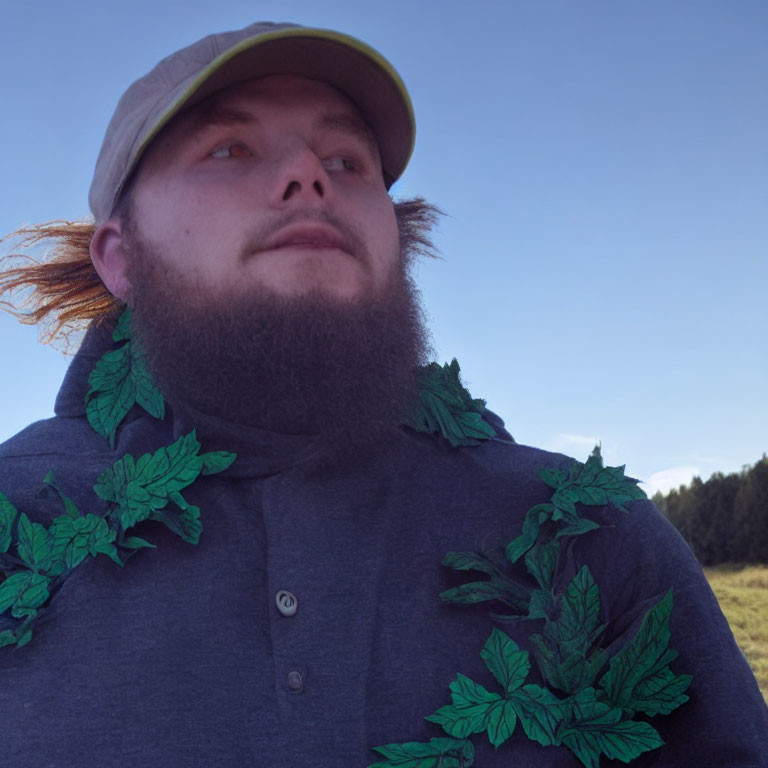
[{"x": 310, "y": 236}]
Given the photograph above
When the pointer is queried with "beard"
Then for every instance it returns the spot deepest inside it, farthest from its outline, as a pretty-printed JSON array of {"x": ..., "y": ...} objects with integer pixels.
[{"x": 307, "y": 364}]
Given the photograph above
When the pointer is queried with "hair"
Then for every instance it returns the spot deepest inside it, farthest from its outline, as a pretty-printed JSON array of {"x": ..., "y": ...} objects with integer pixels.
[{"x": 63, "y": 294}]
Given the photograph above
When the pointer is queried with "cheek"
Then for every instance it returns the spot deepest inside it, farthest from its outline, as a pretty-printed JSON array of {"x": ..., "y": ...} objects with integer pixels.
[
  {"x": 385, "y": 236},
  {"x": 186, "y": 223}
]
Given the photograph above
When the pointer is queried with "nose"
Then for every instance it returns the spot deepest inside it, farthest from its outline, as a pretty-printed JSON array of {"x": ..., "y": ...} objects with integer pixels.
[{"x": 300, "y": 178}]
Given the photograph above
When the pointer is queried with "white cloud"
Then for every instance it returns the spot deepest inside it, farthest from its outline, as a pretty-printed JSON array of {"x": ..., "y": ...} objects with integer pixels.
[
  {"x": 569, "y": 443},
  {"x": 580, "y": 446},
  {"x": 578, "y": 439},
  {"x": 667, "y": 479}
]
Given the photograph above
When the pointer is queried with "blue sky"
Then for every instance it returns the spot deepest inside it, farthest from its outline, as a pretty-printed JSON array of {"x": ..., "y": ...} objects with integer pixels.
[{"x": 604, "y": 170}]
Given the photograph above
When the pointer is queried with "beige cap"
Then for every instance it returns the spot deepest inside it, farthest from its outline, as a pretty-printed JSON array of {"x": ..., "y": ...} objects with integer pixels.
[{"x": 190, "y": 75}]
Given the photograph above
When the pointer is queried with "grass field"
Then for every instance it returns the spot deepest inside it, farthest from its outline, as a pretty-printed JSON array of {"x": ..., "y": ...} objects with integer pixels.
[{"x": 743, "y": 596}]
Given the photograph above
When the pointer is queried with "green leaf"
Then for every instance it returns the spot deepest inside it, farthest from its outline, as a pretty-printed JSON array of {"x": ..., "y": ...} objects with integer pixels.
[
  {"x": 173, "y": 468},
  {"x": 604, "y": 735},
  {"x": 590, "y": 484},
  {"x": 540, "y": 713},
  {"x": 580, "y": 610},
  {"x": 584, "y": 707},
  {"x": 593, "y": 496},
  {"x": 501, "y": 721},
  {"x": 23, "y": 593},
  {"x": 69, "y": 506},
  {"x": 535, "y": 516},
  {"x": 34, "y": 544},
  {"x": 437, "y": 753},
  {"x": 565, "y": 499},
  {"x": 587, "y": 473},
  {"x": 148, "y": 396},
  {"x": 141, "y": 488},
  {"x": 445, "y": 406},
  {"x": 619, "y": 488},
  {"x": 541, "y": 562},
  {"x": 641, "y": 658},
  {"x": 119, "y": 380},
  {"x": 20, "y": 634},
  {"x": 469, "y": 711},
  {"x": 561, "y": 652},
  {"x": 546, "y": 659},
  {"x": 541, "y": 604},
  {"x": 111, "y": 483},
  {"x": 473, "y": 428},
  {"x": 573, "y": 673},
  {"x": 185, "y": 523},
  {"x": 585, "y": 715},
  {"x": 595, "y": 662},
  {"x": 577, "y": 527},
  {"x": 481, "y": 591},
  {"x": 74, "y": 540},
  {"x": 7, "y": 518},
  {"x": 112, "y": 392},
  {"x": 122, "y": 330},
  {"x": 506, "y": 662},
  {"x": 136, "y": 542},
  {"x": 552, "y": 477},
  {"x": 468, "y": 561},
  {"x": 660, "y": 693},
  {"x": 217, "y": 461}
]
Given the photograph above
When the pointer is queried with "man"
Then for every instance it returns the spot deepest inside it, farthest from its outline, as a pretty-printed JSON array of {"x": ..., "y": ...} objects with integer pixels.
[{"x": 265, "y": 397}]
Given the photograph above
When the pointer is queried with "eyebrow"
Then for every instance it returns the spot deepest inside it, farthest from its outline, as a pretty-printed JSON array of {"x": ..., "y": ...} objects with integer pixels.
[
  {"x": 352, "y": 126},
  {"x": 216, "y": 114}
]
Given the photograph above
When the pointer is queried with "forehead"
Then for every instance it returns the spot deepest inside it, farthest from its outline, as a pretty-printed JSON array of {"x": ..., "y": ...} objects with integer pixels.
[
  {"x": 265, "y": 97},
  {"x": 283, "y": 90}
]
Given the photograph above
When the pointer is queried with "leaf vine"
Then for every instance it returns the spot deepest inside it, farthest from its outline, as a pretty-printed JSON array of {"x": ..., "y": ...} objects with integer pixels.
[
  {"x": 590, "y": 713},
  {"x": 36, "y": 559}
]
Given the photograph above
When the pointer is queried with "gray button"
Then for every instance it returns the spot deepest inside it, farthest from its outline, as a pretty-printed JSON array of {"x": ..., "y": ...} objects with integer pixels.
[
  {"x": 295, "y": 681},
  {"x": 286, "y": 602}
]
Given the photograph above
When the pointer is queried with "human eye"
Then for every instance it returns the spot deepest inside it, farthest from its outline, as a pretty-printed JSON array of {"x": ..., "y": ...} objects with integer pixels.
[
  {"x": 231, "y": 150},
  {"x": 341, "y": 163}
]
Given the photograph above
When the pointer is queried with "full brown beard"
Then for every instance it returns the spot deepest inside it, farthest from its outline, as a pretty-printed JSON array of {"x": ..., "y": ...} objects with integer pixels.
[{"x": 310, "y": 364}]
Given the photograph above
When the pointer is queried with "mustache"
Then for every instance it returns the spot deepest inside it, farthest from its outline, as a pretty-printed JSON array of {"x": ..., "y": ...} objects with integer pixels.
[{"x": 258, "y": 238}]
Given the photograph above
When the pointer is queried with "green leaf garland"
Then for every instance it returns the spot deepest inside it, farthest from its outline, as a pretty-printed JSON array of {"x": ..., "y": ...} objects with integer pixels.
[
  {"x": 590, "y": 718},
  {"x": 35, "y": 560},
  {"x": 136, "y": 491}
]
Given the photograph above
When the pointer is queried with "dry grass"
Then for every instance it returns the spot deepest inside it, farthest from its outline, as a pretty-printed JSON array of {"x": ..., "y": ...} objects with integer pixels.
[{"x": 742, "y": 592}]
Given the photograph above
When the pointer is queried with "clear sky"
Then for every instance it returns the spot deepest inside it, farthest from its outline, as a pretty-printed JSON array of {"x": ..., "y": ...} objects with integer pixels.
[{"x": 603, "y": 165}]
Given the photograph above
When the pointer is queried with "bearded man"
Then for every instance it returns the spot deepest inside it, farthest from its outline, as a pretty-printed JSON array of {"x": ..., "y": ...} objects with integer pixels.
[{"x": 255, "y": 378}]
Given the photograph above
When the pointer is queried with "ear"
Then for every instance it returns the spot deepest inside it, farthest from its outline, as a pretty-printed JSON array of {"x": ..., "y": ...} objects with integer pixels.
[{"x": 110, "y": 257}]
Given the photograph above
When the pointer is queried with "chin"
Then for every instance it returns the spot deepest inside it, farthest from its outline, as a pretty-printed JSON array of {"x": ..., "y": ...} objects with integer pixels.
[{"x": 330, "y": 273}]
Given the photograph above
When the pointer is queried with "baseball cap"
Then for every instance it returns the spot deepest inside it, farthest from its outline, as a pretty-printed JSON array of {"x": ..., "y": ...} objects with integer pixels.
[{"x": 217, "y": 61}]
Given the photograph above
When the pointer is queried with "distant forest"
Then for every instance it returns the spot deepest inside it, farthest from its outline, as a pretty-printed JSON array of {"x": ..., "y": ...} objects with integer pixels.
[{"x": 724, "y": 519}]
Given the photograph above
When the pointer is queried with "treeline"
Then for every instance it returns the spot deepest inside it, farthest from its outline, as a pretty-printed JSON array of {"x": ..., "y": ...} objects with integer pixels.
[{"x": 724, "y": 519}]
